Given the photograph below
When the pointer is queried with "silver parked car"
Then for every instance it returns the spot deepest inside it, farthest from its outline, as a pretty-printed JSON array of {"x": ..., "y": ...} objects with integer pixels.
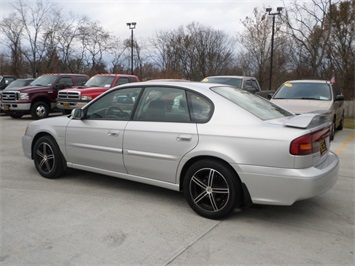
[
  {"x": 301, "y": 96},
  {"x": 223, "y": 147}
]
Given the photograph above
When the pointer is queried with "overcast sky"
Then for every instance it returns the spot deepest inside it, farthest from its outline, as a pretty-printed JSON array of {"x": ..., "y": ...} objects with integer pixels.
[{"x": 155, "y": 15}]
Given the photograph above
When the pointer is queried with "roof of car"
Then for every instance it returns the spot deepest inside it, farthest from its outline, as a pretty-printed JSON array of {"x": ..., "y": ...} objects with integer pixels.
[
  {"x": 202, "y": 87},
  {"x": 229, "y": 76},
  {"x": 308, "y": 80}
]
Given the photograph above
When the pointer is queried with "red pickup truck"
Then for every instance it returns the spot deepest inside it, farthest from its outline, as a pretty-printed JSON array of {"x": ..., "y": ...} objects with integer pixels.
[
  {"x": 96, "y": 85},
  {"x": 40, "y": 98}
]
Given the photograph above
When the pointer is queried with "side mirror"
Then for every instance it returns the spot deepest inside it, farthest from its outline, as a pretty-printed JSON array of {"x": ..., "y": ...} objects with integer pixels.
[
  {"x": 250, "y": 89},
  {"x": 77, "y": 113},
  {"x": 339, "y": 98}
]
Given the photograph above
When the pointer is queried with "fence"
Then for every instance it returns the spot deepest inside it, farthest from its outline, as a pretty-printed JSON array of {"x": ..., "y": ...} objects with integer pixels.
[{"x": 349, "y": 107}]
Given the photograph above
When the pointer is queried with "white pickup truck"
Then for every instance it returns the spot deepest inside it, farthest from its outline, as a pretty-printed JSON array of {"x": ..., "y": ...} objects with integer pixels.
[{"x": 250, "y": 84}]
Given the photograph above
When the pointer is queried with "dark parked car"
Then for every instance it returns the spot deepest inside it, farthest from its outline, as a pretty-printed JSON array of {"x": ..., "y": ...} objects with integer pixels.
[
  {"x": 5, "y": 80},
  {"x": 18, "y": 83}
]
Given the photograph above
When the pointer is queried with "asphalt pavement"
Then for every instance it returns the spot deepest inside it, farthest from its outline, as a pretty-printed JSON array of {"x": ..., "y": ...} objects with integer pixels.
[{"x": 90, "y": 219}]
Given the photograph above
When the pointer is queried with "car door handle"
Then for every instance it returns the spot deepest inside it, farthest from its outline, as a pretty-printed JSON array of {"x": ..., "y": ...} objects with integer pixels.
[
  {"x": 113, "y": 133},
  {"x": 184, "y": 138}
]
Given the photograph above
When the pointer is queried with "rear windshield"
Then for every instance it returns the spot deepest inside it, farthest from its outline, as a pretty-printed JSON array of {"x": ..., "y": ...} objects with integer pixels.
[
  {"x": 304, "y": 90},
  {"x": 258, "y": 106},
  {"x": 235, "y": 82}
]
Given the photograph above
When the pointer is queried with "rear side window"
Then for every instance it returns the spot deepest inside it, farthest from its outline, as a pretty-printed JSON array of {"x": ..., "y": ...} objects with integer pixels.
[
  {"x": 258, "y": 106},
  {"x": 67, "y": 81},
  {"x": 122, "y": 80},
  {"x": 163, "y": 104},
  {"x": 81, "y": 80}
]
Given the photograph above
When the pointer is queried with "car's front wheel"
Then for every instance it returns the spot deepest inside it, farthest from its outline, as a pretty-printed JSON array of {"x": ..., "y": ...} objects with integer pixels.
[
  {"x": 341, "y": 124},
  {"x": 211, "y": 188},
  {"x": 47, "y": 157},
  {"x": 39, "y": 110}
]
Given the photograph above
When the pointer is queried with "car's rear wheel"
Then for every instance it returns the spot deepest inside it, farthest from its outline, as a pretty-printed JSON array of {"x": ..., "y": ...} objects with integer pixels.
[
  {"x": 211, "y": 188},
  {"x": 341, "y": 125},
  {"x": 39, "y": 110},
  {"x": 332, "y": 133},
  {"x": 47, "y": 157}
]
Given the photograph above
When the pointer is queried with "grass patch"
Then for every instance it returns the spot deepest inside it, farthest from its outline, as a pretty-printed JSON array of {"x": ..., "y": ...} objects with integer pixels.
[{"x": 349, "y": 122}]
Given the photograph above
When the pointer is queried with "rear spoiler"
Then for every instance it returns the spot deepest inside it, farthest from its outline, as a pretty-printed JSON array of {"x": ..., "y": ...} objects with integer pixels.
[{"x": 309, "y": 120}]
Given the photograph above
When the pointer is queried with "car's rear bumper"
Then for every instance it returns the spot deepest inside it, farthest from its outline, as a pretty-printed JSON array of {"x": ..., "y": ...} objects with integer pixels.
[{"x": 279, "y": 186}]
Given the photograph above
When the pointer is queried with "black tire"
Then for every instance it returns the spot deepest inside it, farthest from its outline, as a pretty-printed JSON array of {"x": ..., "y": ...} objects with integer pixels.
[
  {"x": 66, "y": 112},
  {"x": 332, "y": 133},
  {"x": 47, "y": 157},
  {"x": 341, "y": 125},
  {"x": 16, "y": 115},
  {"x": 39, "y": 110},
  {"x": 211, "y": 189}
]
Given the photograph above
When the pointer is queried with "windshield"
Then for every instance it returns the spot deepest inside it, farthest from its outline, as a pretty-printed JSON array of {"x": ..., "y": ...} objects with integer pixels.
[
  {"x": 17, "y": 83},
  {"x": 304, "y": 90},
  {"x": 45, "y": 80},
  {"x": 100, "y": 81},
  {"x": 235, "y": 82},
  {"x": 258, "y": 106}
]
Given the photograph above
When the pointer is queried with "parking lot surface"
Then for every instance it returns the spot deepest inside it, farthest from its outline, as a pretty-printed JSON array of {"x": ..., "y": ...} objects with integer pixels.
[{"x": 89, "y": 219}]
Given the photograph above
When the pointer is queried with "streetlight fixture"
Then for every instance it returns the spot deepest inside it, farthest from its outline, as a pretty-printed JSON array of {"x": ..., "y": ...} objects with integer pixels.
[
  {"x": 131, "y": 26},
  {"x": 269, "y": 9}
]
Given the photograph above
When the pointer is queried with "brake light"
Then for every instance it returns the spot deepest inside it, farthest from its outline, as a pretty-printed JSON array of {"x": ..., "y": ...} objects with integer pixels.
[{"x": 310, "y": 143}]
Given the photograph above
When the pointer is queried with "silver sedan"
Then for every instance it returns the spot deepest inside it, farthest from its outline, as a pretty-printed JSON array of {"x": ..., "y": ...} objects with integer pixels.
[{"x": 223, "y": 147}]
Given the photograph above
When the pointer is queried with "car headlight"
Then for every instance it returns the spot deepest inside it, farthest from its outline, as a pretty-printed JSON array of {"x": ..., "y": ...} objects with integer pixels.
[
  {"x": 86, "y": 98},
  {"x": 24, "y": 96}
]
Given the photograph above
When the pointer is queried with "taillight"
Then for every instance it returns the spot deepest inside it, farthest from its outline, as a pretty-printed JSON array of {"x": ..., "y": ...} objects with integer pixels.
[{"x": 310, "y": 143}]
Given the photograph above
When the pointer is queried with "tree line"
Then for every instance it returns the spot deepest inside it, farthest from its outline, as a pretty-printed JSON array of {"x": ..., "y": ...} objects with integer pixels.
[{"x": 311, "y": 40}]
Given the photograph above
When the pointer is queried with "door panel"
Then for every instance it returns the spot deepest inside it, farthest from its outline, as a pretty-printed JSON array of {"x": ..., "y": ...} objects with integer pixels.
[
  {"x": 96, "y": 140},
  {"x": 96, "y": 143},
  {"x": 154, "y": 149}
]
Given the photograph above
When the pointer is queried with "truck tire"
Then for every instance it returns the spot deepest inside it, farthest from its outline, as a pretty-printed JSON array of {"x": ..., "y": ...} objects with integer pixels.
[
  {"x": 16, "y": 115},
  {"x": 39, "y": 110}
]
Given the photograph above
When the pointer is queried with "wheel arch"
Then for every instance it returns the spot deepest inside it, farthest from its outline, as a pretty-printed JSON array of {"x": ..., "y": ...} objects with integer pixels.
[
  {"x": 46, "y": 134},
  {"x": 245, "y": 200},
  {"x": 44, "y": 99}
]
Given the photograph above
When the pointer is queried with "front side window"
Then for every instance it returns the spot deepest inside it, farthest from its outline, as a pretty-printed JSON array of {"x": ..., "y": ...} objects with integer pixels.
[
  {"x": 45, "y": 80},
  {"x": 258, "y": 106},
  {"x": 115, "y": 105}
]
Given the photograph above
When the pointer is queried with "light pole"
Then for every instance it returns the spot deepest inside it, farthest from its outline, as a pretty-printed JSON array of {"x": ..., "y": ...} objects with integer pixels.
[
  {"x": 131, "y": 26},
  {"x": 279, "y": 9}
]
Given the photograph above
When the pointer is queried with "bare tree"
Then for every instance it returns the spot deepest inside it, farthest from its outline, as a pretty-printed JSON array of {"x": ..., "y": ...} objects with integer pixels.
[
  {"x": 341, "y": 46},
  {"x": 193, "y": 52},
  {"x": 34, "y": 18},
  {"x": 309, "y": 27},
  {"x": 95, "y": 43},
  {"x": 12, "y": 28}
]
